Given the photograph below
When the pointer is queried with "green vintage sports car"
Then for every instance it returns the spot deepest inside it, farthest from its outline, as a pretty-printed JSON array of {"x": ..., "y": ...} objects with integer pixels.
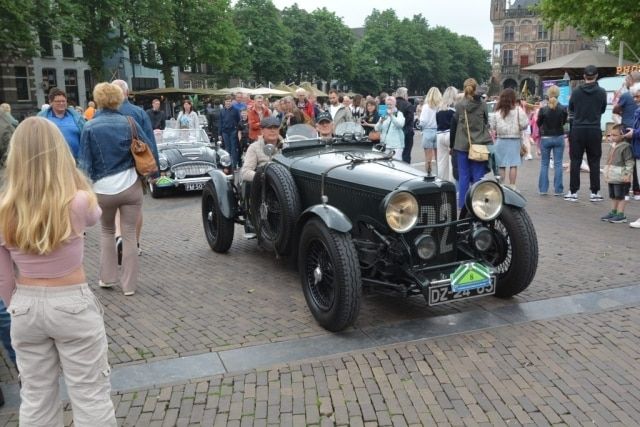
[{"x": 353, "y": 219}]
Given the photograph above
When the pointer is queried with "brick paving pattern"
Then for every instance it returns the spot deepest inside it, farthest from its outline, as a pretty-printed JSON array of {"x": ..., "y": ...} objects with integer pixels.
[{"x": 575, "y": 370}]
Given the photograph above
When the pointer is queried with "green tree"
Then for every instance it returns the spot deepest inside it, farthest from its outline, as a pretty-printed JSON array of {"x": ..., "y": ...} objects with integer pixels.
[
  {"x": 265, "y": 39},
  {"x": 615, "y": 19},
  {"x": 184, "y": 33},
  {"x": 334, "y": 37},
  {"x": 96, "y": 24},
  {"x": 16, "y": 21},
  {"x": 309, "y": 57},
  {"x": 378, "y": 68}
]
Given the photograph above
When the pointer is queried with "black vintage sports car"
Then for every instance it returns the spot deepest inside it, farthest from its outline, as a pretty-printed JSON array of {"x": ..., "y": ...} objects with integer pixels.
[
  {"x": 354, "y": 219},
  {"x": 186, "y": 158}
]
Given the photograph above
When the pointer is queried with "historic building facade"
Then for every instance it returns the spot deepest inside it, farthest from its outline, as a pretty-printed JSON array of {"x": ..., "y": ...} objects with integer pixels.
[{"x": 520, "y": 39}]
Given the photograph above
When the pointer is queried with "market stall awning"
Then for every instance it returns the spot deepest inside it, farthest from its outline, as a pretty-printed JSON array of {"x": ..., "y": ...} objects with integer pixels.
[
  {"x": 312, "y": 89},
  {"x": 574, "y": 64},
  {"x": 265, "y": 91},
  {"x": 167, "y": 91}
]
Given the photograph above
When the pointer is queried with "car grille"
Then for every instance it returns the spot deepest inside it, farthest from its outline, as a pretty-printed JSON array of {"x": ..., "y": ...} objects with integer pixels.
[
  {"x": 193, "y": 169},
  {"x": 438, "y": 208}
]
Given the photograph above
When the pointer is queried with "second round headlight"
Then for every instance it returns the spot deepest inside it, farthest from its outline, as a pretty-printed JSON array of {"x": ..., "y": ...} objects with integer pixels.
[
  {"x": 402, "y": 212},
  {"x": 486, "y": 200}
]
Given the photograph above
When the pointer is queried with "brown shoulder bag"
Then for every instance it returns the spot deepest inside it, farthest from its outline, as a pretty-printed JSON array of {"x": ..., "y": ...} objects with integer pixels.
[{"x": 142, "y": 155}]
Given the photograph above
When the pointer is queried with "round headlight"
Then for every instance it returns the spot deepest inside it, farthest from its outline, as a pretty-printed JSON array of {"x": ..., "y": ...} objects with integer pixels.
[
  {"x": 402, "y": 212},
  {"x": 181, "y": 173},
  {"x": 482, "y": 238},
  {"x": 486, "y": 200},
  {"x": 225, "y": 158},
  {"x": 426, "y": 246},
  {"x": 164, "y": 163}
]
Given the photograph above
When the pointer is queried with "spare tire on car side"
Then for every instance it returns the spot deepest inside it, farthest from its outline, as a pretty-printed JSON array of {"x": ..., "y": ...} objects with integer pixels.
[{"x": 274, "y": 218}]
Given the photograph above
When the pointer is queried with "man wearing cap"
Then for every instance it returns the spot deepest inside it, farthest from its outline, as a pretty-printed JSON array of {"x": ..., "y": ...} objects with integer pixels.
[
  {"x": 324, "y": 125},
  {"x": 586, "y": 105},
  {"x": 255, "y": 156}
]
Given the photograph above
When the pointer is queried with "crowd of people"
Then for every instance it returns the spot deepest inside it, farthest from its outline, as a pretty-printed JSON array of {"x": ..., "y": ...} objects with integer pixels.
[{"x": 65, "y": 171}]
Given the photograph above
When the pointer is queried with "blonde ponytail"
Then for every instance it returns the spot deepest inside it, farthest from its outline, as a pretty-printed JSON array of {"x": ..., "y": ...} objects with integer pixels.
[
  {"x": 470, "y": 86},
  {"x": 553, "y": 93}
]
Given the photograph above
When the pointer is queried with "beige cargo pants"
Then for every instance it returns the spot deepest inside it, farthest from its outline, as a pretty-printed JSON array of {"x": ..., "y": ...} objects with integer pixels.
[{"x": 54, "y": 328}]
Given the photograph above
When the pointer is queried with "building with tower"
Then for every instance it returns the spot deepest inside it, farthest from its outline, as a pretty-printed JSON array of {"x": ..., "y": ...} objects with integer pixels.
[{"x": 520, "y": 39}]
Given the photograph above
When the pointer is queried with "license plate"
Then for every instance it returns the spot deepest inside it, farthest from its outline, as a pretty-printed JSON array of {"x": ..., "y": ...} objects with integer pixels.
[
  {"x": 193, "y": 186},
  {"x": 441, "y": 294}
]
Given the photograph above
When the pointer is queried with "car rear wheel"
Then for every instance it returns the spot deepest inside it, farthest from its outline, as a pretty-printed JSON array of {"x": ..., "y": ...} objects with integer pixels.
[
  {"x": 276, "y": 209},
  {"x": 330, "y": 274},
  {"x": 217, "y": 229},
  {"x": 514, "y": 253}
]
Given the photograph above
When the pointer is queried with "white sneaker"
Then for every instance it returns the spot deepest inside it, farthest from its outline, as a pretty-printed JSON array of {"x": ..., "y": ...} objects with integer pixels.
[
  {"x": 595, "y": 197},
  {"x": 635, "y": 224},
  {"x": 571, "y": 197},
  {"x": 104, "y": 285},
  {"x": 529, "y": 157},
  {"x": 636, "y": 197}
]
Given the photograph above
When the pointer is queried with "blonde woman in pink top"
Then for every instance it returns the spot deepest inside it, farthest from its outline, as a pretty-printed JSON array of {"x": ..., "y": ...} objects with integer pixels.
[{"x": 56, "y": 321}]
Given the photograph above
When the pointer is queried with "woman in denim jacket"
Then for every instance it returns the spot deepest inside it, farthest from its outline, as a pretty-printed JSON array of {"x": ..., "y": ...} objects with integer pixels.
[
  {"x": 105, "y": 155},
  {"x": 390, "y": 127}
]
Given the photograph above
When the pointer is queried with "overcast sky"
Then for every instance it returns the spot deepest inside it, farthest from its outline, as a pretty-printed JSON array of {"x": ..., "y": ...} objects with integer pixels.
[{"x": 466, "y": 17}]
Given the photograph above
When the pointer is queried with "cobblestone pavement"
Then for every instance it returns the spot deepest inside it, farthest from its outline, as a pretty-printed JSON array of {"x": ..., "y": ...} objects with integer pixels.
[
  {"x": 191, "y": 300},
  {"x": 575, "y": 370}
]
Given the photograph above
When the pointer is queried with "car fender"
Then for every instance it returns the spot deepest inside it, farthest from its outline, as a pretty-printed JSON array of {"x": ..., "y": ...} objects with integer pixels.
[
  {"x": 513, "y": 198},
  {"x": 330, "y": 215},
  {"x": 222, "y": 186}
]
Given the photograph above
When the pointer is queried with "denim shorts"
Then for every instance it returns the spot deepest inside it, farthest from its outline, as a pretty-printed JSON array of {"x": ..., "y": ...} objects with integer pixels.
[{"x": 429, "y": 138}]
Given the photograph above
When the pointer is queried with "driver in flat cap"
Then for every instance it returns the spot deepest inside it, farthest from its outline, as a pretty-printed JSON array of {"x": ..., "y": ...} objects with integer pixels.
[{"x": 255, "y": 155}]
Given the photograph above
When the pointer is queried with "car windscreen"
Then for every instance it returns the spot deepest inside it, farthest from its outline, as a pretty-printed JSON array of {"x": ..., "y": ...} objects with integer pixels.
[{"x": 181, "y": 137}]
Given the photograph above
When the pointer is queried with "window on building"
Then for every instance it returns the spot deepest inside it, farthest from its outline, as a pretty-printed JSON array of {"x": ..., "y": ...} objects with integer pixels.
[
  {"x": 88, "y": 85},
  {"x": 46, "y": 45},
  {"x": 507, "y": 57},
  {"x": 22, "y": 83},
  {"x": 71, "y": 86},
  {"x": 144, "y": 83},
  {"x": 67, "y": 50},
  {"x": 49, "y": 79},
  {"x": 151, "y": 53},
  {"x": 541, "y": 55},
  {"x": 509, "y": 32},
  {"x": 186, "y": 84},
  {"x": 542, "y": 32}
]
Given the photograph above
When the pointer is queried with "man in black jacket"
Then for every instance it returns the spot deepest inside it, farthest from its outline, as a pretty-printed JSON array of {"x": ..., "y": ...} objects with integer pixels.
[
  {"x": 157, "y": 117},
  {"x": 586, "y": 105},
  {"x": 408, "y": 111}
]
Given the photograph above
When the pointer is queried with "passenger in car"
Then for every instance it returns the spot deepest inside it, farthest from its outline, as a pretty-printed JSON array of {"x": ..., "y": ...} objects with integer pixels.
[{"x": 324, "y": 125}]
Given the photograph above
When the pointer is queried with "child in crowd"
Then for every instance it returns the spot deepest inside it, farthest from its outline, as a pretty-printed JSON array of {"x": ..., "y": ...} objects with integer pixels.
[
  {"x": 243, "y": 131},
  {"x": 618, "y": 173}
]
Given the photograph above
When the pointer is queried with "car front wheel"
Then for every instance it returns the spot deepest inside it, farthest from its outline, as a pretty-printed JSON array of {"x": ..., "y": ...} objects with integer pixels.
[
  {"x": 514, "y": 253},
  {"x": 330, "y": 274},
  {"x": 217, "y": 228}
]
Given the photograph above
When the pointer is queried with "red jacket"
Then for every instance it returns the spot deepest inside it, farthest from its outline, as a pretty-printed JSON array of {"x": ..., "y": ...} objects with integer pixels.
[{"x": 254, "y": 122}]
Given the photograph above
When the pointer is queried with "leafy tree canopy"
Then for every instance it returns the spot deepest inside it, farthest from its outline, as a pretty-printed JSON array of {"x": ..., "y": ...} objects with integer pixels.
[{"x": 615, "y": 19}]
